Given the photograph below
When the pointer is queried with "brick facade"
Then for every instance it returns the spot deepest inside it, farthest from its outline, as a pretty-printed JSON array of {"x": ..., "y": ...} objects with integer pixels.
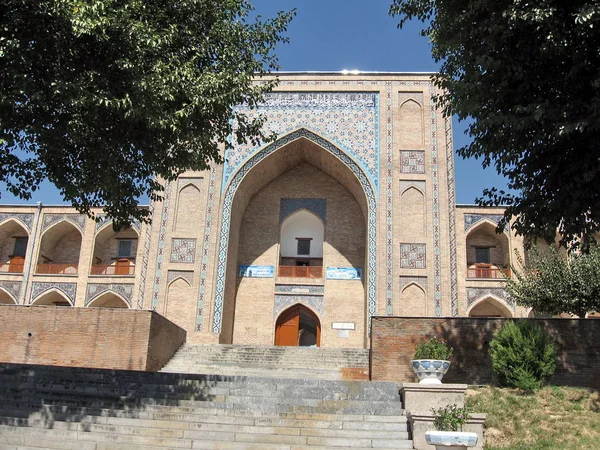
[
  {"x": 87, "y": 337},
  {"x": 394, "y": 340}
]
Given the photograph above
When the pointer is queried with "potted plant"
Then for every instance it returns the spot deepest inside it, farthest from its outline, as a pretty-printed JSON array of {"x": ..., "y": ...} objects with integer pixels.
[
  {"x": 449, "y": 434},
  {"x": 430, "y": 362}
]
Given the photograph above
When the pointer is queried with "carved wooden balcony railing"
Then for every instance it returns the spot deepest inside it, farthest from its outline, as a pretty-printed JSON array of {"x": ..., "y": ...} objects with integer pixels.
[
  {"x": 119, "y": 269},
  {"x": 487, "y": 271},
  {"x": 57, "y": 269},
  {"x": 301, "y": 271}
]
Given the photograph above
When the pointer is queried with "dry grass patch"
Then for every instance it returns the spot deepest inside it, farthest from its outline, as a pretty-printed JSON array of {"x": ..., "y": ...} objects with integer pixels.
[{"x": 554, "y": 418}]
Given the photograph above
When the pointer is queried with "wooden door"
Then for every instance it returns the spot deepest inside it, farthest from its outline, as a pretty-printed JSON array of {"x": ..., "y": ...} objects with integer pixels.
[
  {"x": 286, "y": 333},
  {"x": 122, "y": 266},
  {"x": 16, "y": 264}
]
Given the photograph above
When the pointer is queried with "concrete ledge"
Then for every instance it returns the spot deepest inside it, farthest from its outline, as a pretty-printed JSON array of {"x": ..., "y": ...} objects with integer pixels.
[
  {"x": 420, "y": 422},
  {"x": 423, "y": 397},
  {"x": 104, "y": 338}
]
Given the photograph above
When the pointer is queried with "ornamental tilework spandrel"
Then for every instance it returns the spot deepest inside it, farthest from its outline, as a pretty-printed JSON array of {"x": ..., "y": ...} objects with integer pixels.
[
  {"x": 284, "y": 301},
  {"x": 412, "y": 161},
  {"x": 38, "y": 288},
  {"x": 347, "y": 119},
  {"x": 94, "y": 290},
  {"x": 288, "y": 206},
  {"x": 473, "y": 219},
  {"x": 12, "y": 287},
  {"x": 26, "y": 219},
  {"x": 475, "y": 294},
  {"x": 183, "y": 250},
  {"x": 76, "y": 219},
  {"x": 412, "y": 256}
]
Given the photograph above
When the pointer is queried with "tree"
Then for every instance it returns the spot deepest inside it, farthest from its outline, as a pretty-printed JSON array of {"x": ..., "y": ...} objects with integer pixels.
[
  {"x": 103, "y": 96},
  {"x": 551, "y": 282},
  {"x": 528, "y": 74}
]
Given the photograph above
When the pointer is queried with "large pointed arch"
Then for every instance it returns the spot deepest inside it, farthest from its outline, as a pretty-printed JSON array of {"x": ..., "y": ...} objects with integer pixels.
[{"x": 290, "y": 142}]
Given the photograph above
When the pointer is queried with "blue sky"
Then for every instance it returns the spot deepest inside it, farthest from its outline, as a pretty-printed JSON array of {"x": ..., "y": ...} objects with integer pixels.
[{"x": 332, "y": 35}]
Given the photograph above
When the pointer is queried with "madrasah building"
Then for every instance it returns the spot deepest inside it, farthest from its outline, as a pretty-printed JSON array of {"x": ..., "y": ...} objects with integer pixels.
[{"x": 349, "y": 214}]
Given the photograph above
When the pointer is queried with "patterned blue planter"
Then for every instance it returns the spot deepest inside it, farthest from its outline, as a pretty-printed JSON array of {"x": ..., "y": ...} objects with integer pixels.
[
  {"x": 451, "y": 440},
  {"x": 430, "y": 371}
]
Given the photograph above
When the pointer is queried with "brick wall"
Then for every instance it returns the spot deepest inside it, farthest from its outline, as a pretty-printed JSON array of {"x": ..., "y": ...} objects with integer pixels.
[
  {"x": 82, "y": 337},
  {"x": 394, "y": 339}
]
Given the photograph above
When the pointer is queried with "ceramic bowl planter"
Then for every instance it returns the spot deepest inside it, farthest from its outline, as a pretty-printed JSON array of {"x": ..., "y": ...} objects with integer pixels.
[
  {"x": 430, "y": 371},
  {"x": 451, "y": 440}
]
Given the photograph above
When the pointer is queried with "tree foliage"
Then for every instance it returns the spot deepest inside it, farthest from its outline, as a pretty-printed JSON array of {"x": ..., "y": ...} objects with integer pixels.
[
  {"x": 523, "y": 355},
  {"x": 101, "y": 96},
  {"x": 551, "y": 282},
  {"x": 528, "y": 73}
]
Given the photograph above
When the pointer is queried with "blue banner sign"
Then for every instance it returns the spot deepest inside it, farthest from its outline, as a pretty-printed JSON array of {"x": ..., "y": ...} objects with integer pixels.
[
  {"x": 256, "y": 271},
  {"x": 343, "y": 273}
]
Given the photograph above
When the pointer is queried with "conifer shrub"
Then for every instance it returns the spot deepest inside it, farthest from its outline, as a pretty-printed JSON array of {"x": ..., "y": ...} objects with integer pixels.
[{"x": 523, "y": 355}]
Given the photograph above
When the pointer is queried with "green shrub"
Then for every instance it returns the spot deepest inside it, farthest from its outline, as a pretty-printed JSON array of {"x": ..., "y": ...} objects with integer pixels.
[
  {"x": 523, "y": 355},
  {"x": 433, "y": 349},
  {"x": 450, "y": 418}
]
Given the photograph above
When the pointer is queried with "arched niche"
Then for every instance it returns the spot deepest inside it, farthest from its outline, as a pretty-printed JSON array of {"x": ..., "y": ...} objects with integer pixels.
[
  {"x": 180, "y": 300},
  {"x": 52, "y": 297},
  {"x": 489, "y": 307},
  {"x": 411, "y": 135},
  {"x": 293, "y": 150},
  {"x": 13, "y": 246},
  {"x": 59, "y": 250},
  {"x": 115, "y": 251},
  {"x": 412, "y": 215},
  {"x": 298, "y": 326},
  {"x": 301, "y": 240},
  {"x": 108, "y": 300},
  {"x": 487, "y": 252},
  {"x": 188, "y": 210},
  {"x": 6, "y": 298},
  {"x": 413, "y": 301}
]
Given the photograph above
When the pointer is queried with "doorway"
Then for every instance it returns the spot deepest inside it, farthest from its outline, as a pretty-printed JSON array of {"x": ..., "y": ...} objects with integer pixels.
[{"x": 298, "y": 326}]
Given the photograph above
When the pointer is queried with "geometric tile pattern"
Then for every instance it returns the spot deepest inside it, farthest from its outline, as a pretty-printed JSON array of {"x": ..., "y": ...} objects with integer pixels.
[
  {"x": 475, "y": 294},
  {"x": 389, "y": 202},
  {"x": 94, "y": 290},
  {"x": 205, "y": 247},
  {"x": 25, "y": 219},
  {"x": 13, "y": 288},
  {"x": 412, "y": 256},
  {"x": 299, "y": 289},
  {"x": 161, "y": 245},
  {"x": 38, "y": 288},
  {"x": 349, "y": 120},
  {"x": 183, "y": 250},
  {"x": 412, "y": 161},
  {"x": 226, "y": 217},
  {"x": 287, "y": 206},
  {"x": 103, "y": 219},
  {"x": 451, "y": 218},
  {"x": 76, "y": 219},
  {"x": 473, "y": 219},
  {"x": 145, "y": 260},
  {"x": 315, "y": 302}
]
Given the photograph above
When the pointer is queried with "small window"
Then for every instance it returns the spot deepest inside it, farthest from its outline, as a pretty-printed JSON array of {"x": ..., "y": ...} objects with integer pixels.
[
  {"x": 482, "y": 255},
  {"x": 304, "y": 247},
  {"x": 124, "y": 250},
  {"x": 20, "y": 246}
]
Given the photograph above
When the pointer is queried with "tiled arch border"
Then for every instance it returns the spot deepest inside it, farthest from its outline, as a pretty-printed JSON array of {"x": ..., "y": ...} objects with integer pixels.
[{"x": 235, "y": 183}]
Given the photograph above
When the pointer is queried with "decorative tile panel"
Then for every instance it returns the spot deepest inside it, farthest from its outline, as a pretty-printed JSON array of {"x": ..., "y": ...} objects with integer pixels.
[
  {"x": 282, "y": 302},
  {"x": 349, "y": 120},
  {"x": 161, "y": 245},
  {"x": 473, "y": 219},
  {"x": 412, "y": 256},
  {"x": 25, "y": 219},
  {"x": 405, "y": 281},
  {"x": 103, "y": 219},
  {"x": 451, "y": 218},
  {"x": 475, "y": 294},
  {"x": 389, "y": 203},
  {"x": 94, "y": 290},
  {"x": 38, "y": 288},
  {"x": 228, "y": 201},
  {"x": 412, "y": 161},
  {"x": 183, "y": 250},
  {"x": 288, "y": 206},
  {"x": 187, "y": 275},
  {"x": 205, "y": 248},
  {"x": 299, "y": 289},
  {"x": 13, "y": 288},
  {"x": 76, "y": 219},
  {"x": 145, "y": 260}
]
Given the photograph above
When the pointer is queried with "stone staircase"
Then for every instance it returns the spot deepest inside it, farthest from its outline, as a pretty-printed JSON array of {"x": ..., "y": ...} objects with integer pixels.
[
  {"x": 92, "y": 409},
  {"x": 277, "y": 362}
]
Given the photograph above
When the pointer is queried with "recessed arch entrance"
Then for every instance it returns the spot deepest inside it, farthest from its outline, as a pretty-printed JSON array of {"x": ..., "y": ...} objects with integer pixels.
[
  {"x": 299, "y": 148},
  {"x": 298, "y": 326}
]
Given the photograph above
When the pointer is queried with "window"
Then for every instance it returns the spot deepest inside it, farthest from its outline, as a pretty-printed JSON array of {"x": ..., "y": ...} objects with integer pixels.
[
  {"x": 303, "y": 247},
  {"x": 124, "y": 250},
  {"x": 482, "y": 255},
  {"x": 20, "y": 246}
]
